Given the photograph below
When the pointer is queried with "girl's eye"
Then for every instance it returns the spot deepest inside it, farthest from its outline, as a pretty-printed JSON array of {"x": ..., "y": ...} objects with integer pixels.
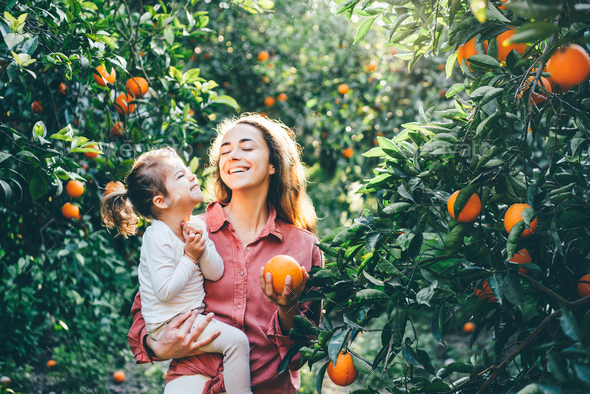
[
  {"x": 247, "y": 149},
  {"x": 224, "y": 153}
]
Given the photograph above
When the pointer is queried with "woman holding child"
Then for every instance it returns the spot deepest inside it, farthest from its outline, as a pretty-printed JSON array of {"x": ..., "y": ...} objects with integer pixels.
[{"x": 260, "y": 210}]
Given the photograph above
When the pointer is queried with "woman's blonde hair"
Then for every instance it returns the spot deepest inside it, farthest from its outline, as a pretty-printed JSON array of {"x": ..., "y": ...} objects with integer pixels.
[
  {"x": 120, "y": 208},
  {"x": 287, "y": 190}
]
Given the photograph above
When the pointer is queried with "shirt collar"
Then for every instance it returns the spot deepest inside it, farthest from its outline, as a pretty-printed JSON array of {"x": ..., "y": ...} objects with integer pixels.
[{"x": 217, "y": 219}]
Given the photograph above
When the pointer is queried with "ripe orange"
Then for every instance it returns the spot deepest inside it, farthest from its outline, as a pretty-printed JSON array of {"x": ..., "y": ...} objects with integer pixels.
[
  {"x": 502, "y": 7},
  {"x": 468, "y": 50},
  {"x": 207, "y": 56},
  {"x": 91, "y": 155},
  {"x": 486, "y": 293},
  {"x": 104, "y": 78},
  {"x": 51, "y": 363},
  {"x": 263, "y": 114},
  {"x": 347, "y": 152},
  {"x": 112, "y": 186},
  {"x": 344, "y": 372},
  {"x": 337, "y": 101},
  {"x": 74, "y": 188},
  {"x": 119, "y": 376},
  {"x": 62, "y": 88},
  {"x": 504, "y": 48},
  {"x": 117, "y": 129},
  {"x": 371, "y": 66},
  {"x": 269, "y": 101},
  {"x": 441, "y": 67},
  {"x": 282, "y": 97},
  {"x": 122, "y": 104},
  {"x": 265, "y": 79},
  {"x": 537, "y": 98},
  {"x": 522, "y": 257},
  {"x": 136, "y": 86},
  {"x": 569, "y": 66},
  {"x": 514, "y": 215},
  {"x": 263, "y": 55},
  {"x": 70, "y": 211},
  {"x": 468, "y": 327},
  {"x": 343, "y": 88},
  {"x": 280, "y": 266},
  {"x": 584, "y": 288},
  {"x": 36, "y": 107},
  {"x": 470, "y": 211}
]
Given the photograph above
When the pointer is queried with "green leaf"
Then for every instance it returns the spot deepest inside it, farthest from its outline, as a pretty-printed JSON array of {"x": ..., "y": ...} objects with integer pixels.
[
  {"x": 463, "y": 198},
  {"x": 363, "y": 29},
  {"x": 435, "y": 328},
  {"x": 305, "y": 326},
  {"x": 320, "y": 378},
  {"x": 7, "y": 192},
  {"x": 411, "y": 356},
  {"x": 394, "y": 208},
  {"x": 347, "y": 5},
  {"x": 191, "y": 75},
  {"x": 512, "y": 289},
  {"x": 569, "y": 325},
  {"x": 38, "y": 185},
  {"x": 169, "y": 35},
  {"x": 335, "y": 345},
  {"x": 454, "y": 239},
  {"x": 227, "y": 100},
  {"x": 425, "y": 295},
  {"x": 460, "y": 367},
  {"x": 284, "y": 364},
  {"x": 514, "y": 237},
  {"x": 533, "y": 32},
  {"x": 370, "y": 294}
]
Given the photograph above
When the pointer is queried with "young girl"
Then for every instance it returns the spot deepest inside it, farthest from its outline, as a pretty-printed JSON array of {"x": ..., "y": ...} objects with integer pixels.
[{"x": 176, "y": 254}]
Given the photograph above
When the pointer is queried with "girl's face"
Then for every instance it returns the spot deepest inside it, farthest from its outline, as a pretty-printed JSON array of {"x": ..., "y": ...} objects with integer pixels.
[
  {"x": 244, "y": 159},
  {"x": 182, "y": 186}
]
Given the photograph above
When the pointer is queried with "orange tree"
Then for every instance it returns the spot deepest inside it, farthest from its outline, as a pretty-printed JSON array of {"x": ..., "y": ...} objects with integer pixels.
[
  {"x": 409, "y": 258},
  {"x": 66, "y": 286}
]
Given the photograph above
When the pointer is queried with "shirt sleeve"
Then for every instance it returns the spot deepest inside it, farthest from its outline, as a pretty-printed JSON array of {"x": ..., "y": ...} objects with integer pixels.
[
  {"x": 311, "y": 310},
  {"x": 211, "y": 263},
  {"x": 137, "y": 335},
  {"x": 168, "y": 276}
]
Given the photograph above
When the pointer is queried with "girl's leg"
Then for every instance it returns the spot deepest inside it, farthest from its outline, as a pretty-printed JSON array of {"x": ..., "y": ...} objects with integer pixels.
[
  {"x": 234, "y": 346},
  {"x": 193, "y": 384}
]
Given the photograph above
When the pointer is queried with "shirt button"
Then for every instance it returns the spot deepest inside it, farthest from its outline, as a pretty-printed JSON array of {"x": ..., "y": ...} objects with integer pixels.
[
  {"x": 248, "y": 248},
  {"x": 242, "y": 273},
  {"x": 239, "y": 306}
]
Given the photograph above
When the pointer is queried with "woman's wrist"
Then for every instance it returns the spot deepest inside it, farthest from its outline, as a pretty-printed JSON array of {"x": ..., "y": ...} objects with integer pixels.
[{"x": 150, "y": 344}]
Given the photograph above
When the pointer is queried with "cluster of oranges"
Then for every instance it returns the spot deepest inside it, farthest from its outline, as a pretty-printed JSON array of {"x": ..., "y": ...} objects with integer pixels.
[
  {"x": 513, "y": 215},
  {"x": 74, "y": 189},
  {"x": 135, "y": 87},
  {"x": 270, "y": 101}
]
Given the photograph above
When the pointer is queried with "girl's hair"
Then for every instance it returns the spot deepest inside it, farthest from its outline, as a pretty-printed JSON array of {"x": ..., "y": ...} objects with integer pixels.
[
  {"x": 287, "y": 190},
  {"x": 147, "y": 178}
]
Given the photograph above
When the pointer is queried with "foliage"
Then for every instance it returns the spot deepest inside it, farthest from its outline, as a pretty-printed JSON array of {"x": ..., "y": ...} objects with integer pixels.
[{"x": 409, "y": 259}]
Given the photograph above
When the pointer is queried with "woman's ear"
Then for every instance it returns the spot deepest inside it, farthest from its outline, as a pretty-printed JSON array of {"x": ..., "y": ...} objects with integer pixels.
[
  {"x": 271, "y": 169},
  {"x": 160, "y": 202}
]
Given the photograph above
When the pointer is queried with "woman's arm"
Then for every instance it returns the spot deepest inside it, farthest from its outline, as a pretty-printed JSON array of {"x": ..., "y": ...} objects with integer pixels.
[{"x": 175, "y": 342}]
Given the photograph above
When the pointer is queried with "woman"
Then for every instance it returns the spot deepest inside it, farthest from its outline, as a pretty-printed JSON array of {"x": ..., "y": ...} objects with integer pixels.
[{"x": 261, "y": 210}]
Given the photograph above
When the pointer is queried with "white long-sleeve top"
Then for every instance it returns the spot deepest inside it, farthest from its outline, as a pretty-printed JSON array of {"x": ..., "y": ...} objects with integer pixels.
[{"x": 169, "y": 282}]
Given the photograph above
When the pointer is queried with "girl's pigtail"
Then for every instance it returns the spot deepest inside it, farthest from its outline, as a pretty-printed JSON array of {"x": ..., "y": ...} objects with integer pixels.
[{"x": 117, "y": 212}]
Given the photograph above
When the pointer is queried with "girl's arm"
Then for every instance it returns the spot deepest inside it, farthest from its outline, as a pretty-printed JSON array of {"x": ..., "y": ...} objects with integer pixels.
[
  {"x": 211, "y": 262},
  {"x": 167, "y": 276}
]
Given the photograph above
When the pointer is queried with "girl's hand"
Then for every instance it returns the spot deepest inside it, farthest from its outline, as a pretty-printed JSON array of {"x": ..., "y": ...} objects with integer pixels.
[
  {"x": 289, "y": 297},
  {"x": 178, "y": 341},
  {"x": 195, "y": 246},
  {"x": 190, "y": 227}
]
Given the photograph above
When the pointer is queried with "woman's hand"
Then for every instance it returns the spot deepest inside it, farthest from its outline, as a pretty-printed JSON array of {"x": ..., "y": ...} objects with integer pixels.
[
  {"x": 178, "y": 342},
  {"x": 290, "y": 296}
]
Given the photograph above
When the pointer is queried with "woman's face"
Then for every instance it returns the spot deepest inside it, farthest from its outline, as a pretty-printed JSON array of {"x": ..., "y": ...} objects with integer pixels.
[{"x": 244, "y": 159}]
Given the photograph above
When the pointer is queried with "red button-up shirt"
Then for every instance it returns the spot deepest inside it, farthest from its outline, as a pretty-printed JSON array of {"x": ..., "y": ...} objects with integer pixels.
[{"x": 238, "y": 300}]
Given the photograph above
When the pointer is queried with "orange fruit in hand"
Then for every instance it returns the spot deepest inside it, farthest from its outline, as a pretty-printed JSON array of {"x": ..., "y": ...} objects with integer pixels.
[
  {"x": 280, "y": 266},
  {"x": 112, "y": 186},
  {"x": 269, "y": 101},
  {"x": 119, "y": 376},
  {"x": 504, "y": 48},
  {"x": 486, "y": 293},
  {"x": 468, "y": 327},
  {"x": 470, "y": 211},
  {"x": 282, "y": 97},
  {"x": 103, "y": 77},
  {"x": 347, "y": 152},
  {"x": 343, "y": 88},
  {"x": 36, "y": 107},
  {"x": 569, "y": 66},
  {"x": 522, "y": 257},
  {"x": 91, "y": 155},
  {"x": 51, "y": 363},
  {"x": 70, "y": 211},
  {"x": 584, "y": 288},
  {"x": 263, "y": 55},
  {"x": 537, "y": 98},
  {"x": 514, "y": 215},
  {"x": 344, "y": 372},
  {"x": 122, "y": 104},
  {"x": 74, "y": 188},
  {"x": 136, "y": 86}
]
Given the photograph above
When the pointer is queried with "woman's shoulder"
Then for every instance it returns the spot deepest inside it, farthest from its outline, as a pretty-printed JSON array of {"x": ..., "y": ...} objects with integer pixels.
[{"x": 290, "y": 230}]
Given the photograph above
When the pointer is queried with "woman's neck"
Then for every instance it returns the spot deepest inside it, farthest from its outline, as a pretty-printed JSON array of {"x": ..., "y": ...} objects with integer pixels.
[
  {"x": 248, "y": 215},
  {"x": 173, "y": 220}
]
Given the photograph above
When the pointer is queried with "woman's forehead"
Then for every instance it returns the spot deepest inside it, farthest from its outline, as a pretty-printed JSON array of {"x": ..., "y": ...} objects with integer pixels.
[{"x": 243, "y": 131}]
